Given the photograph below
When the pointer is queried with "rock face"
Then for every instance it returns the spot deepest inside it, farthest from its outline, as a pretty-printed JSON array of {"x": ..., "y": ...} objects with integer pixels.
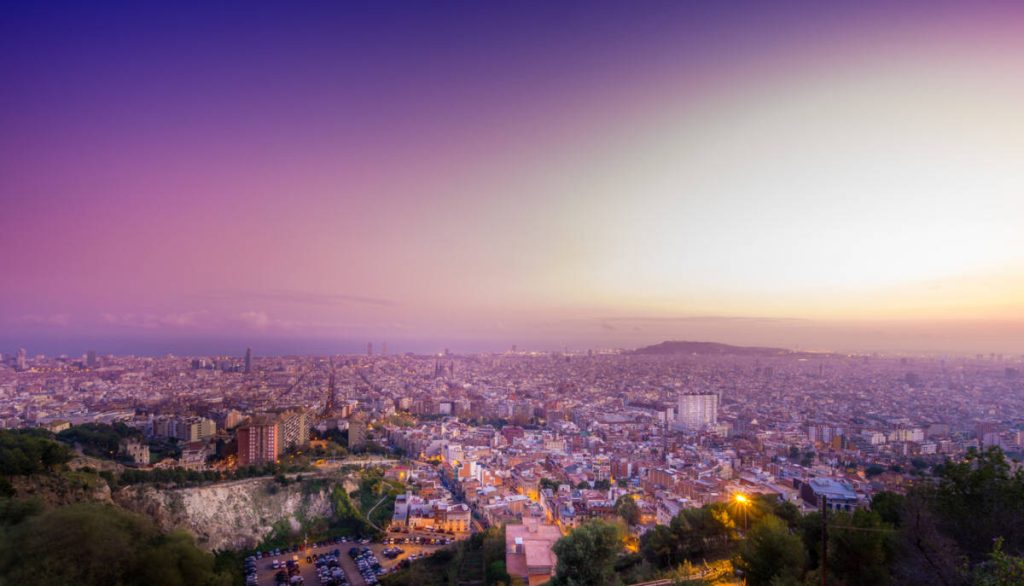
[{"x": 231, "y": 515}]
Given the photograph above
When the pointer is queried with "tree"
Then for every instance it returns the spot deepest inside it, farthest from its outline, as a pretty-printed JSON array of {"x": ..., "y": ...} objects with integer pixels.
[
  {"x": 99, "y": 439},
  {"x": 174, "y": 559},
  {"x": 810, "y": 532},
  {"x": 888, "y": 506},
  {"x": 586, "y": 557},
  {"x": 24, "y": 452},
  {"x": 496, "y": 572},
  {"x": 626, "y": 508},
  {"x": 548, "y": 483},
  {"x": 660, "y": 547},
  {"x": 101, "y": 544},
  {"x": 770, "y": 554},
  {"x": 978, "y": 500},
  {"x": 1001, "y": 569},
  {"x": 702, "y": 532},
  {"x": 860, "y": 548},
  {"x": 691, "y": 535},
  {"x": 763, "y": 504},
  {"x": 927, "y": 556}
]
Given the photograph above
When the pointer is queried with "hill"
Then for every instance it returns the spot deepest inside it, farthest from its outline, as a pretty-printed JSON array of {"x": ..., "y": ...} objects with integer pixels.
[{"x": 686, "y": 347}]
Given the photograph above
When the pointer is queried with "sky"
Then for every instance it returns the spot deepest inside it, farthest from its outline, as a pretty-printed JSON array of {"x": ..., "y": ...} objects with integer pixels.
[{"x": 308, "y": 177}]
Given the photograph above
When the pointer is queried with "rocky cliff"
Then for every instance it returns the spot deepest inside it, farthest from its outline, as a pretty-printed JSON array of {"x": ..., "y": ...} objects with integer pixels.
[{"x": 231, "y": 515}]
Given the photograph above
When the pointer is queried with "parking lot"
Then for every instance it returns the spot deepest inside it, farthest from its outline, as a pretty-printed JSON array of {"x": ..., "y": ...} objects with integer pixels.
[{"x": 305, "y": 560}]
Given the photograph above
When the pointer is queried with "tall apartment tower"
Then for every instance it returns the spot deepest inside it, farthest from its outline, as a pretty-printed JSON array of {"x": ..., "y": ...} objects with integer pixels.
[
  {"x": 259, "y": 441},
  {"x": 20, "y": 361},
  {"x": 369, "y": 348},
  {"x": 90, "y": 359},
  {"x": 248, "y": 360},
  {"x": 194, "y": 429},
  {"x": 233, "y": 419},
  {"x": 356, "y": 432},
  {"x": 294, "y": 429},
  {"x": 697, "y": 410}
]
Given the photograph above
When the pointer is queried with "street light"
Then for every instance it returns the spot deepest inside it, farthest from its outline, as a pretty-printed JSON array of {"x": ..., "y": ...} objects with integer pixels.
[{"x": 743, "y": 502}]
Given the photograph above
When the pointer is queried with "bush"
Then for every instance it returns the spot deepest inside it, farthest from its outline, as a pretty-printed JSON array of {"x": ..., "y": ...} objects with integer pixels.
[
  {"x": 101, "y": 544},
  {"x": 30, "y": 451}
]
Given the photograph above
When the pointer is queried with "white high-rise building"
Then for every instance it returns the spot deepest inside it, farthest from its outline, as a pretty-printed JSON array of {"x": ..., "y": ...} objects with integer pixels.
[{"x": 698, "y": 409}]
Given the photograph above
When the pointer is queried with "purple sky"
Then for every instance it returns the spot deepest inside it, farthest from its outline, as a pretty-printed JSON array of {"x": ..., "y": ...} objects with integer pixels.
[{"x": 817, "y": 175}]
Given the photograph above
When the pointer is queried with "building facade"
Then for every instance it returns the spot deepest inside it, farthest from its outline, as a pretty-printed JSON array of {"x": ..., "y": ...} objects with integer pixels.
[
  {"x": 259, "y": 441},
  {"x": 697, "y": 410}
]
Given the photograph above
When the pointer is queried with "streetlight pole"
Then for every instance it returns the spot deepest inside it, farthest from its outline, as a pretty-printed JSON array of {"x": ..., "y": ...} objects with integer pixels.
[{"x": 744, "y": 503}]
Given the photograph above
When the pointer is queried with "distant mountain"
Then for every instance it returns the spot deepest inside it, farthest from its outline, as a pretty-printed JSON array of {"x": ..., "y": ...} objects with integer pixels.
[{"x": 682, "y": 347}]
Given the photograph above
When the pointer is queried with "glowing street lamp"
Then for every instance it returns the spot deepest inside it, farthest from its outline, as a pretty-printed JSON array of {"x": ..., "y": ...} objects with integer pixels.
[{"x": 744, "y": 503}]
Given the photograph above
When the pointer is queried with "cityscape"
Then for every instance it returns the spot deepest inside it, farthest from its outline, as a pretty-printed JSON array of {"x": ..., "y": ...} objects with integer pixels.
[
  {"x": 535, "y": 442},
  {"x": 512, "y": 294}
]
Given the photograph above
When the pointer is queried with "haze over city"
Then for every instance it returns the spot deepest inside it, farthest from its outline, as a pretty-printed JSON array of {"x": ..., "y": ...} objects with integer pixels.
[
  {"x": 467, "y": 175},
  {"x": 490, "y": 293}
]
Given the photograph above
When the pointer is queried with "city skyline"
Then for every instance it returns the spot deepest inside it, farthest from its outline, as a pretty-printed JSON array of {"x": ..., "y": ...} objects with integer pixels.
[
  {"x": 558, "y": 293},
  {"x": 202, "y": 180}
]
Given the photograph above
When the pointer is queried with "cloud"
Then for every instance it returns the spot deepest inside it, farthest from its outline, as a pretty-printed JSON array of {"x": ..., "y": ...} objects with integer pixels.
[
  {"x": 261, "y": 320},
  {"x": 295, "y": 297},
  {"x": 54, "y": 319},
  {"x": 703, "y": 319},
  {"x": 152, "y": 321},
  {"x": 254, "y": 319}
]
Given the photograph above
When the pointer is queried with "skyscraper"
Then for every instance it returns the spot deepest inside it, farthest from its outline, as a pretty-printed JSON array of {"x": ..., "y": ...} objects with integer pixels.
[
  {"x": 369, "y": 348},
  {"x": 90, "y": 359},
  {"x": 20, "y": 362},
  {"x": 248, "y": 360},
  {"x": 698, "y": 409}
]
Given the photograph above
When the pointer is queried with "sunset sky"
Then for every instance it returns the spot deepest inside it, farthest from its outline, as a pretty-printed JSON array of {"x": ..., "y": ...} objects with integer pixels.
[{"x": 308, "y": 177}]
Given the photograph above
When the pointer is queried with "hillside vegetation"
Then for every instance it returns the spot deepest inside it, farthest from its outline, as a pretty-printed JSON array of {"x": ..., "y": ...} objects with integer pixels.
[{"x": 85, "y": 543}]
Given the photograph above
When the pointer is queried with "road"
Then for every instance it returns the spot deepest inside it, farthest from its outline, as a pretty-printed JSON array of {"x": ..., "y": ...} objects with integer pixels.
[
  {"x": 351, "y": 570},
  {"x": 478, "y": 527},
  {"x": 334, "y": 464},
  {"x": 367, "y": 515}
]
